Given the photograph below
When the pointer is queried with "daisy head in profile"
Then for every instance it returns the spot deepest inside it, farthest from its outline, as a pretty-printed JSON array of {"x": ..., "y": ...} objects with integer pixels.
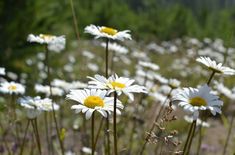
[
  {"x": 194, "y": 100},
  {"x": 118, "y": 84},
  {"x": 215, "y": 67},
  {"x": 107, "y": 32},
  {"x": 55, "y": 43},
  {"x": 34, "y": 106},
  {"x": 12, "y": 88},
  {"x": 90, "y": 100},
  {"x": 174, "y": 83}
]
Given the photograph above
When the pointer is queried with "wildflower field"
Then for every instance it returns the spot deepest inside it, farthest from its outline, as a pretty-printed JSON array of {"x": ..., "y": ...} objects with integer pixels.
[{"x": 99, "y": 88}]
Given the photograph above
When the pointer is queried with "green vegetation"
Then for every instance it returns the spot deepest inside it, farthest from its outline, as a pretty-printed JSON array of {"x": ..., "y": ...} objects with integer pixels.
[{"x": 147, "y": 19}]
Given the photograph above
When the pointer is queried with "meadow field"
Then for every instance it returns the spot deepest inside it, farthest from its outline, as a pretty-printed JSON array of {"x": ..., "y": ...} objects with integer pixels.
[{"x": 109, "y": 88}]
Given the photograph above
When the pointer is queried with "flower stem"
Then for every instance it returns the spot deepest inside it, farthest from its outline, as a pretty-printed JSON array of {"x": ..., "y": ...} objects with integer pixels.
[
  {"x": 107, "y": 58},
  {"x": 210, "y": 78},
  {"x": 33, "y": 123},
  {"x": 25, "y": 133},
  {"x": 188, "y": 143},
  {"x": 47, "y": 134},
  {"x": 106, "y": 75},
  {"x": 115, "y": 124},
  {"x": 53, "y": 109},
  {"x": 75, "y": 22},
  {"x": 155, "y": 120},
  {"x": 229, "y": 133},
  {"x": 92, "y": 133}
]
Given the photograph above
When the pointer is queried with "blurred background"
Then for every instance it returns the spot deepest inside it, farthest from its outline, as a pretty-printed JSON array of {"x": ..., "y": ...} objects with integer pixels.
[{"x": 149, "y": 20}]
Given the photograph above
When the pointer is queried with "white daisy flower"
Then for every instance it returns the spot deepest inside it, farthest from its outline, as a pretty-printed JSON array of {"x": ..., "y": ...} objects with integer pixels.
[
  {"x": 46, "y": 90},
  {"x": 199, "y": 121},
  {"x": 31, "y": 106},
  {"x": 12, "y": 88},
  {"x": 149, "y": 65},
  {"x": 194, "y": 100},
  {"x": 55, "y": 43},
  {"x": 218, "y": 68},
  {"x": 174, "y": 83},
  {"x": 2, "y": 71},
  {"x": 91, "y": 100},
  {"x": 116, "y": 48},
  {"x": 118, "y": 84},
  {"x": 107, "y": 32},
  {"x": 34, "y": 106}
]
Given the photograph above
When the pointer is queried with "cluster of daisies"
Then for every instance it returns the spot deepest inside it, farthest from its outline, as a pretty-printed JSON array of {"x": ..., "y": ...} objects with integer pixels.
[
  {"x": 195, "y": 100},
  {"x": 98, "y": 95}
]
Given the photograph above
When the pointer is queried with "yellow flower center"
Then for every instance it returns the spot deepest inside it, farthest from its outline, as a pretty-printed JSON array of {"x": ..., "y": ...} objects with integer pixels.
[
  {"x": 46, "y": 36},
  {"x": 94, "y": 101},
  {"x": 117, "y": 85},
  {"x": 108, "y": 30},
  {"x": 12, "y": 87},
  {"x": 197, "y": 101}
]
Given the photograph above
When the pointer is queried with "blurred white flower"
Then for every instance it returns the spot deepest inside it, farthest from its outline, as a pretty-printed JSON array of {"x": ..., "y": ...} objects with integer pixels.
[
  {"x": 218, "y": 68},
  {"x": 174, "y": 83},
  {"x": 199, "y": 121},
  {"x": 91, "y": 100},
  {"x": 2, "y": 71},
  {"x": 55, "y": 43},
  {"x": 116, "y": 48},
  {"x": 107, "y": 32},
  {"x": 194, "y": 100},
  {"x": 149, "y": 65},
  {"x": 34, "y": 106},
  {"x": 46, "y": 90},
  {"x": 12, "y": 88}
]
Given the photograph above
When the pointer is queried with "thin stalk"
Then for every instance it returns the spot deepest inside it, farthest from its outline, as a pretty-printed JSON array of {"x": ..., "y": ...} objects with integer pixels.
[
  {"x": 4, "y": 140},
  {"x": 107, "y": 58},
  {"x": 98, "y": 133},
  {"x": 155, "y": 120},
  {"x": 25, "y": 133},
  {"x": 53, "y": 109},
  {"x": 47, "y": 134},
  {"x": 188, "y": 143},
  {"x": 115, "y": 124},
  {"x": 36, "y": 136},
  {"x": 92, "y": 134},
  {"x": 199, "y": 140},
  {"x": 210, "y": 78},
  {"x": 228, "y": 136},
  {"x": 106, "y": 75},
  {"x": 107, "y": 134},
  {"x": 75, "y": 22}
]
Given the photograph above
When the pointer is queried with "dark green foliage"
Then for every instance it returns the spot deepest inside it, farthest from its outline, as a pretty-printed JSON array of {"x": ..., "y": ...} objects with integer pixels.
[{"x": 147, "y": 19}]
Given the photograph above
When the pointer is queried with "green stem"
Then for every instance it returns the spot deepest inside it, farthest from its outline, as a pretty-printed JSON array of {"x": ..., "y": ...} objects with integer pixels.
[
  {"x": 188, "y": 143},
  {"x": 210, "y": 78},
  {"x": 107, "y": 58},
  {"x": 36, "y": 136},
  {"x": 115, "y": 124},
  {"x": 107, "y": 135},
  {"x": 47, "y": 134},
  {"x": 75, "y": 22},
  {"x": 53, "y": 109},
  {"x": 92, "y": 133},
  {"x": 25, "y": 133},
  {"x": 228, "y": 136}
]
